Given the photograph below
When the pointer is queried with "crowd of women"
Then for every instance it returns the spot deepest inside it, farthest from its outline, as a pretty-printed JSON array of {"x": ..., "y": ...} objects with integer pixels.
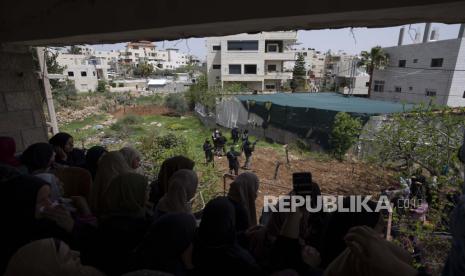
[{"x": 68, "y": 211}]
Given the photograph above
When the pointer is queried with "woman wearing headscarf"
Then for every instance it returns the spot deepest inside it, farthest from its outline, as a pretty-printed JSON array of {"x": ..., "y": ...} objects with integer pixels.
[
  {"x": 159, "y": 187},
  {"x": 48, "y": 257},
  {"x": 132, "y": 157},
  {"x": 167, "y": 245},
  {"x": 110, "y": 165},
  {"x": 38, "y": 157},
  {"x": 243, "y": 193},
  {"x": 216, "y": 251},
  {"x": 123, "y": 222},
  {"x": 7, "y": 152},
  {"x": 181, "y": 190},
  {"x": 30, "y": 215},
  {"x": 92, "y": 157},
  {"x": 66, "y": 154}
]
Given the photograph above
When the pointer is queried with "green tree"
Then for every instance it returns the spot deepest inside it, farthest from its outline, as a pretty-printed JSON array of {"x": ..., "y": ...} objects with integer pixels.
[
  {"x": 102, "y": 86},
  {"x": 75, "y": 50},
  {"x": 53, "y": 68},
  {"x": 376, "y": 58},
  {"x": 344, "y": 134},
  {"x": 426, "y": 136},
  {"x": 299, "y": 74},
  {"x": 144, "y": 70}
]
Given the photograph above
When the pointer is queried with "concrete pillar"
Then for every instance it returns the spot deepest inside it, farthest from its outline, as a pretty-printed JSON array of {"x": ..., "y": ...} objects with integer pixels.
[
  {"x": 426, "y": 33},
  {"x": 462, "y": 31},
  {"x": 21, "y": 109},
  {"x": 401, "y": 36}
]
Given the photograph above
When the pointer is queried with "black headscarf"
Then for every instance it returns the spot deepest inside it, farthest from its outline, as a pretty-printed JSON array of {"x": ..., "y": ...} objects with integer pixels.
[
  {"x": 167, "y": 169},
  {"x": 60, "y": 139},
  {"x": 37, "y": 156},
  {"x": 92, "y": 156},
  {"x": 216, "y": 250},
  {"x": 17, "y": 210},
  {"x": 164, "y": 243},
  {"x": 339, "y": 224}
]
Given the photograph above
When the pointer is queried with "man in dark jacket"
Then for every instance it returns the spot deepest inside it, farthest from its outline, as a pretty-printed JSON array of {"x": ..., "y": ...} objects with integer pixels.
[
  {"x": 233, "y": 162},
  {"x": 248, "y": 149},
  {"x": 235, "y": 134},
  {"x": 208, "y": 149}
]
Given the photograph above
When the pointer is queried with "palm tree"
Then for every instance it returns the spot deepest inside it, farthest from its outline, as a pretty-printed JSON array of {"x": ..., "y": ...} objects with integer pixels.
[{"x": 376, "y": 58}]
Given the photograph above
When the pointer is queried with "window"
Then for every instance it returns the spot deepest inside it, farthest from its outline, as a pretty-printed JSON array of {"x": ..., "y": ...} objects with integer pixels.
[
  {"x": 135, "y": 47},
  {"x": 235, "y": 69},
  {"x": 430, "y": 92},
  {"x": 379, "y": 86},
  {"x": 270, "y": 86},
  {"x": 250, "y": 69},
  {"x": 410, "y": 88},
  {"x": 243, "y": 45},
  {"x": 271, "y": 67},
  {"x": 463, "y": 95},
  {"x": 437, "y": 62},
  {"x": 272, "y": 48},
  {"x": 415, "y": 60},
  {"x": 402, "y": 63},
  {"x": 70, "y": 74},
  {"x": 83, "y": 74},
  {"x": 305, "y": 54},
  {"x": 216, "y": 66},
  {"x": 136, "y": 54},
  {"x": 398, "y": 89},
  {"x": 93, "y": 72},
  {"x": 216, "y": 47},
  {"x": 367, "y": 84}
]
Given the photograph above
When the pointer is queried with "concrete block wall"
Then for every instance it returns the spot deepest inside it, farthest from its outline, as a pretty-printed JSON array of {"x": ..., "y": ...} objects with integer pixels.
[{"x": 21, "y": 108}]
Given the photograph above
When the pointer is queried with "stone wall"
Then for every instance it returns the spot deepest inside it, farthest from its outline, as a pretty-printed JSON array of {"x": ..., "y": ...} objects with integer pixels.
[{"x": 21, "y": 113}]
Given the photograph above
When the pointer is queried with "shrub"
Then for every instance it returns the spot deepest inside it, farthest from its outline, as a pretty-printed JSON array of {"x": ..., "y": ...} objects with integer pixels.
[
  {"x": 177, "y": 102},
  {"x": 344, "y": 134},
  {"x": 102, "y": 86}
]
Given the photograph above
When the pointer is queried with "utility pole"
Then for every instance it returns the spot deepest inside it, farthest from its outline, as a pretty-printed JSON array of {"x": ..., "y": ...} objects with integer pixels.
[{"x": 47, "y": 88}]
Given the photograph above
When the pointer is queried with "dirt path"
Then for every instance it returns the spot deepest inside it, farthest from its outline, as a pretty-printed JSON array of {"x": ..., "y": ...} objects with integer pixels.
[{"x": 334, "y": 177}]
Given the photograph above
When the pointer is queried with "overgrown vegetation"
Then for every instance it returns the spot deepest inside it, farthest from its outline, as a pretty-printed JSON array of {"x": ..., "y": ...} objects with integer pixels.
[
  {"x": 298, "y": 82},
  {"x": 344, "y": 134},
  {"x": 177, "y": 102}
]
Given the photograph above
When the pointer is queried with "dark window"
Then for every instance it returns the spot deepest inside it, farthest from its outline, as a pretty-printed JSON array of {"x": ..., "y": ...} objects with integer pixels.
[
  {"x": 93, "y": 72},
  {"x": 367, "y": 84},
  {"x": 216, "y": 47},
  {"x": 430, "y": 92},
  {"x": 235, "y": 69},
  {"x": 216, "y": 66},
  {"x": 305, "y": 54},
  {"x": 415, "y": 61},
  {"x": 270, "y": 86},
  {"x": 135, "y": 47},
  {"x": 463, "y": 95},
  {"x": 243, "y": 45},
  {"x": 410, "y": 88},
  {"x": 272, "y": 48},
  {"x": 379, "y": 86},
  {"x": 271, "y": 67},
  {"x": 70, "y": 73},
  {"x": 437, "y": 62},
  {"x": 83, "y": 74},
  {"x": 250, "y": 69},
  {"x": 398, "y": 89},
  {"x": 402, "y": 63}
]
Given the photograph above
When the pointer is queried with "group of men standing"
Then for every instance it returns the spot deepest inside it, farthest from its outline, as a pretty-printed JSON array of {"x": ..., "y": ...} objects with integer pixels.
[{"x": 218, "y": 148}]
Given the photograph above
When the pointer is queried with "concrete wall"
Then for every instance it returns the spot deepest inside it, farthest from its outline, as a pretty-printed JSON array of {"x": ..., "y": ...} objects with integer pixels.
[
  {"x": 21, "y": 113},
  {"x": 418, "y": 75},
  {"x": 457, "y": 87}
]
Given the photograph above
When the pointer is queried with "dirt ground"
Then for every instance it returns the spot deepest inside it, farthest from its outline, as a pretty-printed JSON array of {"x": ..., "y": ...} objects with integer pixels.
[
  {"x": 141, "y": 110},
  {"x": 333, "y": 177}
]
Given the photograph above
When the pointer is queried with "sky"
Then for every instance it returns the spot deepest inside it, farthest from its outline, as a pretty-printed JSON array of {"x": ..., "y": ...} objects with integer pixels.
[{"x": 351, "y": 41}]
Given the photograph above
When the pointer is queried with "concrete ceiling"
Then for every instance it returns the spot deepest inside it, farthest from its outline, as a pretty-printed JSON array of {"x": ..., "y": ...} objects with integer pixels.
[{"x": 66, "y": 22}]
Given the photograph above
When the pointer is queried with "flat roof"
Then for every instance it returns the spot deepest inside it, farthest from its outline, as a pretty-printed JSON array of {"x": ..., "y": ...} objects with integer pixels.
[{"x": 330, "y": 101}]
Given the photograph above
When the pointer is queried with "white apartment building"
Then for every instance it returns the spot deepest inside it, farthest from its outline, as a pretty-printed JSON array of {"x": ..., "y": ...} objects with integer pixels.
[
  {"x": 106, "y": 63},
  {"x": 141, "y": 51},
  {"x": 171, "y": 58},
  {"x": 255, "y": 60},
  {"x": 423, "y": 72},
  {"x": 80, "y": 71}
]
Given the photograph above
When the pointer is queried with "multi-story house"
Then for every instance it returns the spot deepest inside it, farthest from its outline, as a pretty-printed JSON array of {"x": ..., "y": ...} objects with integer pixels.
[
  {"x": 254, "y": 60},
  {"x": 79, "y": 70},
  {"x": 431, "y": 71},
  {"x": 136, "y": 52}
]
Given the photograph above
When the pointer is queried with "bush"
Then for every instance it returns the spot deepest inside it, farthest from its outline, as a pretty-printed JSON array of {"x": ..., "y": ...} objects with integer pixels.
[
  {"x": 102, "y": 86},
  {"x": 126, "y": 125},
  {"x": 344, "y": 134},
  {"x": 177, "y": 102}
]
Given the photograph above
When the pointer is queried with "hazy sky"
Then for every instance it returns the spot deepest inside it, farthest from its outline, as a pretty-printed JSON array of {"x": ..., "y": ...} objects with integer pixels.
[{"x": 341, "y": 39}]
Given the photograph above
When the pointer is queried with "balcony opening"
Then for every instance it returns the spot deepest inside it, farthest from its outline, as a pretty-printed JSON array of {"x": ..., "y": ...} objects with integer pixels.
[
  {"x": 243, "y": 45},
  {"x": 273, "y": 46}
]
